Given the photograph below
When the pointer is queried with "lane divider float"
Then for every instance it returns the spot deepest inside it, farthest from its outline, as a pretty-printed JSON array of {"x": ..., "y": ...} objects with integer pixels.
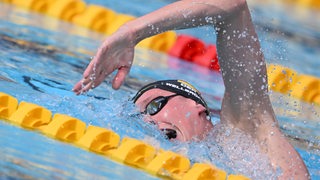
[
  {"x": 129, "y": 151},
  {"x": 95, "y": 17},
  {"x": 312, "y": 4},
  {"x": 194, "y": 50},
  {"x": 65, "y": 9},
  {"x": 287, "y": 81}
]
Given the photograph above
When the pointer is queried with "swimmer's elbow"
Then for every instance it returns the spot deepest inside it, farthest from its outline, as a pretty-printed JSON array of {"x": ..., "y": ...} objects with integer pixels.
[
  {"x": 284, "y": 157},
  {"x": 296, "y": 169},
  {"x": 300, "y": 173}
]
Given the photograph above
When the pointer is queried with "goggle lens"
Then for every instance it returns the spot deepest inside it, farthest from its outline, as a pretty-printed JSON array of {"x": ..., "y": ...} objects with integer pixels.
[{"x": 157, "y": 104}]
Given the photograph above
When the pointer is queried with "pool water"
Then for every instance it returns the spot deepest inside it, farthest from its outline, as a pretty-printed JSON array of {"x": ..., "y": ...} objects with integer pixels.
[{"x": 41, "y": 58}]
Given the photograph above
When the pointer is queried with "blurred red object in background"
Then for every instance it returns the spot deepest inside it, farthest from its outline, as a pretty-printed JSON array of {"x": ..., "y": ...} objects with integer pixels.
[{"x": 194, "y": 50}]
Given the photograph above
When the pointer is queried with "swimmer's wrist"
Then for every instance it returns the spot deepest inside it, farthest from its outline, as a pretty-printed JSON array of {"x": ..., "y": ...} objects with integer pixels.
[
  {"x": 140, "y": 30},
  {"x": 130, "y": 31}
]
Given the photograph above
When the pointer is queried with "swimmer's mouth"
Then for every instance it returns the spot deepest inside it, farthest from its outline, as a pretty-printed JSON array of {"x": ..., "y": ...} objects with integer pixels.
[{"x": 170, "y": 133}]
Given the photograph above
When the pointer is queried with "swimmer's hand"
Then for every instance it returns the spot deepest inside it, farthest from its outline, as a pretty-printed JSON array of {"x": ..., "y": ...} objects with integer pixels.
[{"x": 116, "y": 53}]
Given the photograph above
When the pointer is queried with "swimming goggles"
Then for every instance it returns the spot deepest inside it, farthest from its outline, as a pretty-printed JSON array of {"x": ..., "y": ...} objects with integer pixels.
[
  {"x": 157, "y": 104},
  {"x": 180, "y": 87}
]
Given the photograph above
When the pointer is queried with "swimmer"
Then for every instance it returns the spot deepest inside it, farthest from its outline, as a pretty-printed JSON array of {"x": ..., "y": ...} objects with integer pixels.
[{"x": 246, "y": 105}]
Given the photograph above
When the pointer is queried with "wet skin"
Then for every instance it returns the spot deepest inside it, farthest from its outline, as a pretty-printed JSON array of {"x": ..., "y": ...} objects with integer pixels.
[{"x": 180, "y": 114}]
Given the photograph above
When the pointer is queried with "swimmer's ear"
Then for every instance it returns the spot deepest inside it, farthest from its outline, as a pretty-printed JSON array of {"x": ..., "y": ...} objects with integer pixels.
[{"x": 120, "y": 77}]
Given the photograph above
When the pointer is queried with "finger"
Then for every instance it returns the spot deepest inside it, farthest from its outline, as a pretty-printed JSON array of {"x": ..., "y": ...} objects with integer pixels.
[
  {"x": 95, "y": 63},
  {"x": 77, "y": 87},
  {"x": 87, "y": 87},
  {"x": 89, "y": 70},
  {"x": 97, "y": 71},
  {"x": 120, "y": 77}
]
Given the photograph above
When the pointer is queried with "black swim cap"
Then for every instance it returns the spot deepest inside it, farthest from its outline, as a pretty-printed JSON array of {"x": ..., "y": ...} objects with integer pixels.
[{"x": 180, "y": 87}]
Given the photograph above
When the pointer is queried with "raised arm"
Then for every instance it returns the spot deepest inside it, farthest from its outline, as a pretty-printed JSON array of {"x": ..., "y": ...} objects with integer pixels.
[
  {"x": 116, "y": 52},
  {"x": 246, "y": 104}
]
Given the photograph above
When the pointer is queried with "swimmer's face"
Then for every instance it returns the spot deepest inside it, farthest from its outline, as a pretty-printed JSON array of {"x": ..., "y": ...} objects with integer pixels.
[{"x": 180, "y": 118}]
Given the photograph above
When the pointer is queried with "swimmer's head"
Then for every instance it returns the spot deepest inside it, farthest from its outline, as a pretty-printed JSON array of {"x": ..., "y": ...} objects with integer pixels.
[{"x": 176, "y": 107}]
